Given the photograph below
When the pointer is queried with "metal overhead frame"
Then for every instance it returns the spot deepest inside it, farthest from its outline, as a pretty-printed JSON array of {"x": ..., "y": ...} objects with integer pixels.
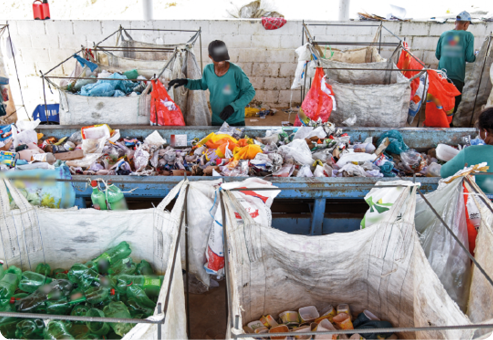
[
  {"x": 159, "y": 323},
  {"x": 166, "y": 48},
  {"x": 306, "y": 33},
  {"x": 234, "y": 319},
  {"x": 3, "y": 28}
]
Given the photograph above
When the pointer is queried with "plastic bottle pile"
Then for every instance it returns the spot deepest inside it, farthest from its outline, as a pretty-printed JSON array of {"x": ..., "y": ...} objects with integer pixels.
[
  {"x": 111, "y": 285},
  {"x": 308, "y": 319},
  {"x": 322, "y": 151},
  {"x": 128, "y": 83}
]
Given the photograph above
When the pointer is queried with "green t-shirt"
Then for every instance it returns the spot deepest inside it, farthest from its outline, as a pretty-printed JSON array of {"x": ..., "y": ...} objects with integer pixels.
[
  {"x": 233, "y": 88},
  {"x": 454, "y": 48},
  {"x": 472, "y": 155}
]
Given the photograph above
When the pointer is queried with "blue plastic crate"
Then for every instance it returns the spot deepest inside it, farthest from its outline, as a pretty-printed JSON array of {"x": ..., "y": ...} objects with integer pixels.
[{"x": 52, "y": 113}]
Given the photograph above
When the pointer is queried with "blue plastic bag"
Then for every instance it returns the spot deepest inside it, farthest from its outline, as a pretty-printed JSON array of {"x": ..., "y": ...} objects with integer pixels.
[
  {"x": 397, "y": 145},
  {"x": 45, "y": 193}
]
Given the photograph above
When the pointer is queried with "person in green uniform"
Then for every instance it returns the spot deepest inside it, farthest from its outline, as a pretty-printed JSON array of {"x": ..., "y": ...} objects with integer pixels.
[
  {"x": 230, "y": 89},
  {"x": 476, "y": 154},
  {"x": 454, "y": 49}
]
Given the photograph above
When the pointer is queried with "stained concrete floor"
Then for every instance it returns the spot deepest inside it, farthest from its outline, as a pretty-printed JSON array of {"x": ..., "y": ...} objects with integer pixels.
[{"x": 208, "y": 314}]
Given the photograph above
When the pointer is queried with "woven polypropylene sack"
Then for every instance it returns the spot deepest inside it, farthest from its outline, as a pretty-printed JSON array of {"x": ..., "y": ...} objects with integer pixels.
[
  {"x": 481, "y": 292},
  {"x": 382, "y": 269},
  {"x": 32, "y": 235},
  {"x": 376, "y": 98},
  {"x": 480, "y": 69}
]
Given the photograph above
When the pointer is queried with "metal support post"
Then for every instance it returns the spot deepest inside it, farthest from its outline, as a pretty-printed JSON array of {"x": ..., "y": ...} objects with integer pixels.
[
  {"x": 200, "y": 47},
  {"x": 187, "y": 268},
  {"x": 318, "y": 217},
  {"x": 44, "y": 96},
  {"x": 380, "y": 39},
  {"x": 159, "y": 326},
  {"x": 480, "y": 79}
]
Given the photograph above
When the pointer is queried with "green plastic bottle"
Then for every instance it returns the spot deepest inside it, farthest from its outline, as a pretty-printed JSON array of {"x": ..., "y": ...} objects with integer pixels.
[
  {"x": 118, "y": 310},
  {"x": 138, "y": 301},
  {"x": 30, "y": 329},
  {"x": 43, "y": 269},
  {"x": 50, "y": 292},
  {"x": 85, "y": 277},
  {"x": 123, "y": 266},
  {"x": 58, "y": 307},
  {"x": 93, "y": 295},
  {"x": 80, "y": 310},
  {"x": 98, "y": 328},
  {"x": 78, "y": 329},
  {"x": 122, "y": 282},
  {"x": 144, "y": 268},
  {"x": 112, "y": 255},
  {"x": 112, "y": 335},
  {"x": 137, "y": 310},
  {"x": 57, "y": 330},
  {"x": 8, "y": 324},
  {"x": 10, "y": 282},
  {"x": 98, "y": 197},
  {"x": 31, "y": 281},
  {"x": 115, "y": 198}
]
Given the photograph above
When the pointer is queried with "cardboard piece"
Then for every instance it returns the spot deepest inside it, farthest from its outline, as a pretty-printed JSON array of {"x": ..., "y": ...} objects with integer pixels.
[{"x": 64, "y": 156}]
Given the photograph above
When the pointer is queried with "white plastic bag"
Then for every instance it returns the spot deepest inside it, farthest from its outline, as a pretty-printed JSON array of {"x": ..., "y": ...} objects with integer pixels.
[
  {"x": 308, "y": 132},
  {"x": 381, "y": 201},
  {"x": 304, "y": 57},
  {"x": 305, "y": 171},
  {"x": 355, "y": 157},
  {"x": 298, "y": 149},
  {"x": 155, "y": 139}
]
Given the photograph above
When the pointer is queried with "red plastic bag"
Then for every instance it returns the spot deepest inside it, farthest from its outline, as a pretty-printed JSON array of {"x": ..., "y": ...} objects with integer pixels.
[
  {"x": 164, "y": 111},
  {"x": 319, "y": 100},
  {"x": 270, "y": 23}
]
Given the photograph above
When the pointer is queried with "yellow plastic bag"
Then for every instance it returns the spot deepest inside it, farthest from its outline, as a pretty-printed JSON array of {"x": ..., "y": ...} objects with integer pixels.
[{"x": 247, "y": 152}]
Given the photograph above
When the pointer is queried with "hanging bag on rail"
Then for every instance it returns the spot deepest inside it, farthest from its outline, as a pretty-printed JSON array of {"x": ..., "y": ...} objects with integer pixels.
[
  {"x": 164, "y": 111},
  {"x": 382, "y": 269},
  {"x": 319, "y": 101},
  {"x": 30, "y": 236}
]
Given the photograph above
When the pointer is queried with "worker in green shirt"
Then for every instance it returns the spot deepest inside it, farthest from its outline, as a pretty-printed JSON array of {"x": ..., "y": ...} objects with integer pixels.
[
  {"x": 476, "y": 154},
  {"x": 454, "y": 49},
  {"x": 230, "y": 89}
]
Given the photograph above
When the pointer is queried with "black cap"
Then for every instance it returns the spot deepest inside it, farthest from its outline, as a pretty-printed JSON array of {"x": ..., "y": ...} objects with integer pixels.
[{"x": 218, "y": 51}]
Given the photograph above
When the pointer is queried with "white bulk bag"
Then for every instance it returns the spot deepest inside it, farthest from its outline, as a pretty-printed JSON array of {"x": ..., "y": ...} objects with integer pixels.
[
  {"x": 480, "y": 301},
  {"x": 31, "y": 235},
  {"x": 382, "y": 269}
]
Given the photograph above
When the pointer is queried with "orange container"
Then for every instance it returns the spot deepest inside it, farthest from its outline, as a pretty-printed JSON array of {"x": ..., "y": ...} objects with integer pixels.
[
  {"x": 343, "y": 321},
  {"x": 279, "y": 329}
]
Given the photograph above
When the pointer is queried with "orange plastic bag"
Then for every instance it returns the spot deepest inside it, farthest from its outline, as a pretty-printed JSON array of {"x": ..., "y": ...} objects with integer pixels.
[
  {"x": 164, "y": 111},
  {"x": 440, "y": 102},
  {"x": 319, "y": 101},
  {"x": 407, "y": 62}
]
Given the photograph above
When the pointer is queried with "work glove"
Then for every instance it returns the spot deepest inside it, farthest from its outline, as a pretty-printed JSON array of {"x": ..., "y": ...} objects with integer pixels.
[
  {"x": 227, "y": 112},
  {"x": 177, "y": 82}
]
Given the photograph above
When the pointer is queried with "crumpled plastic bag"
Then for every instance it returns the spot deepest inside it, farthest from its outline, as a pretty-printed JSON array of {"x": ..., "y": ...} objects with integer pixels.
[
  {"x": 305, "y": 171},
  {"x": 350, "y": 121},
  {"x": 397, "y": 145},
  {"x": 90, "y": 146},
  {"x": 308, "y": 132},
  {"x": 141, "y": 157},
  {"x": 413, "y": 161},
  {"x": 298, "y": 149},
  {"x": 247, "y": 152}
]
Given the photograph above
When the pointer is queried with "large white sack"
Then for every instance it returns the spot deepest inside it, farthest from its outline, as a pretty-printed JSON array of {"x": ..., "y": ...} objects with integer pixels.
[
  {"x": 479, "y": 307},
  {"x": 201, "y": 207},
  {"x": 449, "y": 261},
  {"x": 31, "y": 235},
  {"x": 382, "y": 268}
]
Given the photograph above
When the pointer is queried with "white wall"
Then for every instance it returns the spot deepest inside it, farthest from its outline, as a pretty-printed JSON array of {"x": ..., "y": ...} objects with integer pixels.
[{"x": 267, "y": 57}]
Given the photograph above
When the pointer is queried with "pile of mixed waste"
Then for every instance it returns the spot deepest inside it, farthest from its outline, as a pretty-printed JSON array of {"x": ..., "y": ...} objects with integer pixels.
[{"x": 321, "y": 151}]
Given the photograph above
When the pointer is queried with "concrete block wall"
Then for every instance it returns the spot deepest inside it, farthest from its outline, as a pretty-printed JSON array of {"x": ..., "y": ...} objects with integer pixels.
[{"x": 267, "y": 57}]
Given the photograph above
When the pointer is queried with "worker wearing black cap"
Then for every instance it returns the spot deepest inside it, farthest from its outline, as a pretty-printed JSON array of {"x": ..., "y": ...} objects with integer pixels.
[{"x": 230, "y": 89}]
